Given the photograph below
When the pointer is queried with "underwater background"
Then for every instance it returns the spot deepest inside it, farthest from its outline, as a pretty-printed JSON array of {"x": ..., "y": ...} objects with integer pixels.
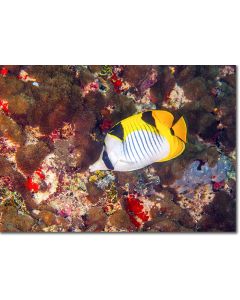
[{"x": 53, "y": 121}]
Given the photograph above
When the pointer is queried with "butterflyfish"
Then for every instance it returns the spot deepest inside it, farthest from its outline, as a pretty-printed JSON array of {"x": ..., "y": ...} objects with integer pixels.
[{"x": 140, "y": 140}]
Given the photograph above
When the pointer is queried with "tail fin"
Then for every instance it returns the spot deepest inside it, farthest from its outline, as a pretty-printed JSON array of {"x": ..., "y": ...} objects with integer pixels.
[
  {"x": 180, "y": 129},
  {"x": 164, "y": 117}
]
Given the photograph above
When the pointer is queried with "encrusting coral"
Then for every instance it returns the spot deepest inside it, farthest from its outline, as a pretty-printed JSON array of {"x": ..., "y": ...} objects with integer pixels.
[{"x": 53, "y": 121}]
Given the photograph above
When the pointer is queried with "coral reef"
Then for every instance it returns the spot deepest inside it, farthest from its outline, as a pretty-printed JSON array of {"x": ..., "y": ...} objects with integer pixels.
[{"x": 53, "y": 121}]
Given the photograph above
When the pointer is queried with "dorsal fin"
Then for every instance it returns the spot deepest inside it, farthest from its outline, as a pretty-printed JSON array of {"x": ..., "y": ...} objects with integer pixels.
[
  {"x": 180, "y": 129},
  {"x": 152, "y": 117},
  {"x": 163, "y": 117}
]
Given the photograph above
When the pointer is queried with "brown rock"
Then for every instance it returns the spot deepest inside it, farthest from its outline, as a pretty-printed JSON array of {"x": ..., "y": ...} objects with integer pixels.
[
  {"x": 62, "y": 223},
  {"x": 11, "y": 221},
  {"x": 56, "y": 118},
  {"x": 207, "y": 103},
  {"x": 186, "y": 74},
  {"x": 207, "y": 126},
  {"x": 19, "y": 104},
  {"x": 178, "y": 167},
  {"x": 174, "y": 212},
  {"x": 48, "y": 217},
  {"x": 129, "y": 178},
  {"x": 231, "y": 79},
  {"x": 96, "y": 219},
  {"x": 95, "y": 68},
  {"x": 5, "y": 167},
  {"x": 167, "y": 82},
  {"x": 25, "y": 223},
  {"x": 94, "y": 193},
  {"x": 10, "y": 86},
  {"x": 85, "y": 76},
  {"x": 220, "y": 214},
  {"x": 30, "y": 157},
  {"x": 84, "y": 124},
  {"x": 210, "y": 156},
  {"x": 161, "y": 225},
  {"x": 164, "y": 171},
  {"x": 18, "y": 181},
  {"x": 170, "y": 209},
  {"x": 125, "y": 107},
  {"x": 156, "y": 93},
  {"x": 134, "y": 74},
  {"x": 195, "y": 89},
  {"x": 164, "y": 225},
  {"x": 120, "y": 220},
  {"x": 171, "y": 170},
  {"x": 10, "y": 129}
]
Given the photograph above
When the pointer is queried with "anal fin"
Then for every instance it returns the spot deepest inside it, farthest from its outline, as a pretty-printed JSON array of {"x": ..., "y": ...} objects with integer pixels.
[{"x": 177, "y": 147}]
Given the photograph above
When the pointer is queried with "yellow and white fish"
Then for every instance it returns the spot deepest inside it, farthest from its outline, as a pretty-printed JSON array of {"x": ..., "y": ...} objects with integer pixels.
[{"x": 140, "y": 140}]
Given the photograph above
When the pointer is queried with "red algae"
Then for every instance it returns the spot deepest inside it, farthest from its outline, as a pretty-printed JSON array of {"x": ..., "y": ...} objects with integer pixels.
[
  {"x": 54, "y": 135},
  {"x": 31, "y": 186},
  {"x": 4, "y": 106},
  {"x": 106, "y": 125},
  {"x": 39, "y": 172},
  {"x": 4, "y": 71},
  {"x": 218, "y": 185},
  {"x": 117, "y": 83},
  {"x": 135, "y": 210}
]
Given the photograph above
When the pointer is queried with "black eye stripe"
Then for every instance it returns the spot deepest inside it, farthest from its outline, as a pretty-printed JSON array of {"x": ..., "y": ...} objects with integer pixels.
[
  {"x": 106, "y": 160},
  {"x": 117, "y": 130}
]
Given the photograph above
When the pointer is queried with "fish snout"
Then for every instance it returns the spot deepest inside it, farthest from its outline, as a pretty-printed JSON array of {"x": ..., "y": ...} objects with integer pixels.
[
  {"x": 93, "y": 168},
  {"x": 97, "y": 166}
]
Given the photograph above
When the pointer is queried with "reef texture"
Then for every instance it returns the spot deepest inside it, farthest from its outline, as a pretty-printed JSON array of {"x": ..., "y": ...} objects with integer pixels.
[{"x": 53, "y": 120}]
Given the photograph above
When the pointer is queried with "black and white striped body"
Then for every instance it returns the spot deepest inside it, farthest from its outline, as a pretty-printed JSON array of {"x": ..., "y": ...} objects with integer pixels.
[
  {"x": 143, "y": 147},
  {"x": 139, "y": 148},
  {"x": 140, "y": 140}
]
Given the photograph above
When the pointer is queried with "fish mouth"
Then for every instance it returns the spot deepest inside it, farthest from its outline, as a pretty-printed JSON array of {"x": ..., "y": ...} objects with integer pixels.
[
  {"x": 98, "y": 165},
  {"x": 91, "y": 168}
]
